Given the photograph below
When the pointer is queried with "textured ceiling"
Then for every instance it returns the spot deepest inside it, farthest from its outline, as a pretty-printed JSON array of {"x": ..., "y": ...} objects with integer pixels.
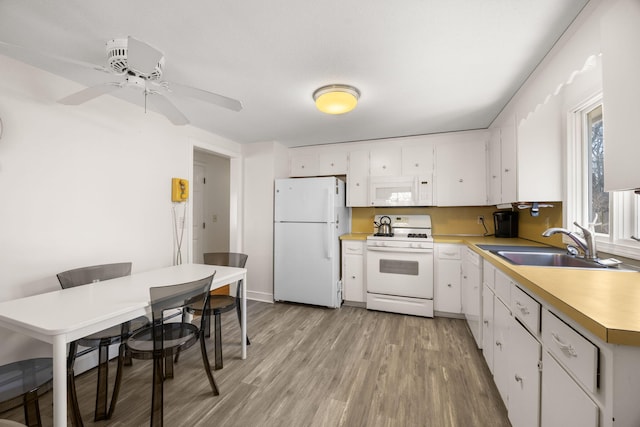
[{"x": 422, "y": 66}]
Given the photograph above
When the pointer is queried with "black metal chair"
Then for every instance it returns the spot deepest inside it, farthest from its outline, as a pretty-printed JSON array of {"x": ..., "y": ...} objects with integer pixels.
[
  {"x": 100, "y": 340},
  {"x": 22, "y": 383},
  {"x": 219, "y": 304},
  {"x": 162, "y": 340}
]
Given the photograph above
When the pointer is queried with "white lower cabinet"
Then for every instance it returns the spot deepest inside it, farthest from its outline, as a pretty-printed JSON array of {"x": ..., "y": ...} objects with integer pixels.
[
  {"x": 353, "y": 271},
  {"x": 564, "y": 403},
  {"x": 524, "y": 377},
  {"x": 487, "y": 325},
  {"x": 471, "y": 282},
  {"x": 447, "y": 298},
  {"x": 501, "y": 324}
]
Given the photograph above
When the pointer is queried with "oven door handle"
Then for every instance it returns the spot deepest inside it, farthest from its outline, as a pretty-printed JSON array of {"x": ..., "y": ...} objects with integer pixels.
[{"x": 401, "y": 250}]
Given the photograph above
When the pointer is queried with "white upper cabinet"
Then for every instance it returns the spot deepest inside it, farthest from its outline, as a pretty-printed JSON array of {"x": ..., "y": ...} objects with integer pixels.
[
  {"x": 539, "y": 154},
  {"x": 303, "y": 163},
  {"x": 386, "y": 161},
  {"x": 317, "y": 161},
  {"x": 494, "y": 167},
  {"x": 461, "y": 171},
  {"x": 417, "y": 160},
  {"x": 621, "y": 91},
  {"x": 358, "y": 179}
]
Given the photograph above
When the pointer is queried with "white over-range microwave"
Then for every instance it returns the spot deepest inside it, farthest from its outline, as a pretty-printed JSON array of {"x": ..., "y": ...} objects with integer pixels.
[{"x": 400, "y": 191}]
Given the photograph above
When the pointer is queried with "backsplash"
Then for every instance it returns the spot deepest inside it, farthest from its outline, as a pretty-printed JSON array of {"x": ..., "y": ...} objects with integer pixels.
[{"x": 464, "y": 220}]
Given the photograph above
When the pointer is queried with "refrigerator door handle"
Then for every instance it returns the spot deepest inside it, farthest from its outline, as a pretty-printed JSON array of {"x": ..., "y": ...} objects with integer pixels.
[{"x": 329, "y": 224}]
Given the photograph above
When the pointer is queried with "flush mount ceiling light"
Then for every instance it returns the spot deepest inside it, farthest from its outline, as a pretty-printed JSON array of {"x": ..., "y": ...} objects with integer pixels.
[{"x": 336, "y": 99}]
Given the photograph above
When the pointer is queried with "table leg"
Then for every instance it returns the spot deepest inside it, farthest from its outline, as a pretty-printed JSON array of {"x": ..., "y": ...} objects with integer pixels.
[
  {"x": 59, "y": 381},
  {"x": 243, "y": 337}
]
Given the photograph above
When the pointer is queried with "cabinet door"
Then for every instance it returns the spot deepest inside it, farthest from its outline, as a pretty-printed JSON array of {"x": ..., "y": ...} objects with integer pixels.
[
  {"x": 386, "y": 162},
  {"x": 501, "y": 322},
  {"x": 358, "y": 179},
  {"x": 494, "y": 176},
  {"x": 524, "y": 381},
  {"x": 352, "y": 271},
  {"x": 564, "y": 403},
  {"x": 447, "y": 298},
  {"x": 508, "y": 161},
  {"x": 332, "y": 163},
  {"x": 487, "y": 325},
  {"x": 417, "y": 160},
  {"x": 472, "y": 293},
  {"x": 303, "y": 164},
  {"x": 621, "y": 87},
  {"x": 461, "y": 173}
]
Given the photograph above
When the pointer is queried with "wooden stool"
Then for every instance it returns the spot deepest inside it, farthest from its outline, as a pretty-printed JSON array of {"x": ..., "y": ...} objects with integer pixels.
[{"x": 22, "y": 382}]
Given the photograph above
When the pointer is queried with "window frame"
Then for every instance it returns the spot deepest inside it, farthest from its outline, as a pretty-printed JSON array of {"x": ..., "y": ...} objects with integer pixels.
[{"x": 624, "y": 219}]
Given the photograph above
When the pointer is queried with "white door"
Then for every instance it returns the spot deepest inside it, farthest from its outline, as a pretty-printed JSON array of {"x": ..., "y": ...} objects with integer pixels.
[{"x": 197, "y": 195}]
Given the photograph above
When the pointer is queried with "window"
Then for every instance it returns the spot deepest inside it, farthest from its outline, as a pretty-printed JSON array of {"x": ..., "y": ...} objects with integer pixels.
[{"x": 614, "y": 216}]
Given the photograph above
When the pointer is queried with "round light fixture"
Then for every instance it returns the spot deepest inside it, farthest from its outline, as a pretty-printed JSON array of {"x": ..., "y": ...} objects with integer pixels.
[{"x": 336, "y": 99}]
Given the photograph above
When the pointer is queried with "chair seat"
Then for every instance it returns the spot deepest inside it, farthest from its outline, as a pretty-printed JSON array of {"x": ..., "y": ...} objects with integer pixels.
[
  {"x": 217, "y": 304},
  {"x": 175, "y": 336},
  {"x": 113, "y": 333},
  {"x": 22, "y": 382}
]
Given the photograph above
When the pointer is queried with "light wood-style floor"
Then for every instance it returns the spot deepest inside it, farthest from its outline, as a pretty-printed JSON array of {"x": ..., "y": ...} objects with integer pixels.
[{"x": 310, "y": 366}]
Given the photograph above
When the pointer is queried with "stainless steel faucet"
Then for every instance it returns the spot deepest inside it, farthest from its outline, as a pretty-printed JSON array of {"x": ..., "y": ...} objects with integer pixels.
[{"x": 587, "y": 244}]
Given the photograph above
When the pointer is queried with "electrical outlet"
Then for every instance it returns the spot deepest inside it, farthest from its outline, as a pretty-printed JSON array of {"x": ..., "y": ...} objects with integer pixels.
[
  {"x": 214, "y": 218},
  {"x": 480, "y": 219}
]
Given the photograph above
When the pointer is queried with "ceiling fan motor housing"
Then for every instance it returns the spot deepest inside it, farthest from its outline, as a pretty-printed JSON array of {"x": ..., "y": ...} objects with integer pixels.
[{"x": 117, "y": 52}]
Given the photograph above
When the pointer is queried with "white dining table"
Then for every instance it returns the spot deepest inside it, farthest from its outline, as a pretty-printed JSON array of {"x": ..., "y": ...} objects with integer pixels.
[{"x": 60, "y": 317}]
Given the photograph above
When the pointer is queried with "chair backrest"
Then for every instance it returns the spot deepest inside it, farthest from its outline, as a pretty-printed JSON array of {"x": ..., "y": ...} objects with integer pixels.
[
  {"x": 229, "y": 259},
  {"x": 94, "y": 273},
  {"x": 177, "y": 296}
]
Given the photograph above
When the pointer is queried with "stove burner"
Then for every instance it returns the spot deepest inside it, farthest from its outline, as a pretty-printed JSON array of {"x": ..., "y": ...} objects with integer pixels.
[
  {"x": 383, "y": 234},
  {"x": 418, "y": 235}
]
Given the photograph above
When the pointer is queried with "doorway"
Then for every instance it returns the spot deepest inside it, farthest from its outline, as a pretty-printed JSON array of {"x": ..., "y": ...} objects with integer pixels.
[{"x": 211, "y": 204}]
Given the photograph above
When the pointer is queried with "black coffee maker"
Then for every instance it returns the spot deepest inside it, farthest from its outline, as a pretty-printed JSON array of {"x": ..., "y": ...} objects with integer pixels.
[{"x": 506, "y": 223}]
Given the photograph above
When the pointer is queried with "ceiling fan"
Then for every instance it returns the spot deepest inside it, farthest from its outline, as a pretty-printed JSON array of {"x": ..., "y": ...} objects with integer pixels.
[{"x": 140, "y": 66}]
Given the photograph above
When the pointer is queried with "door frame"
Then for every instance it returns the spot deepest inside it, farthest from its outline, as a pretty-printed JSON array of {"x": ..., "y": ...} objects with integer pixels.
[{"x": 236, "y": 223}]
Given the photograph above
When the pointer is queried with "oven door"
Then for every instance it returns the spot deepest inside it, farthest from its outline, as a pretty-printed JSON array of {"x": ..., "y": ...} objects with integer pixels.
[{"x": 401, "y": 272}]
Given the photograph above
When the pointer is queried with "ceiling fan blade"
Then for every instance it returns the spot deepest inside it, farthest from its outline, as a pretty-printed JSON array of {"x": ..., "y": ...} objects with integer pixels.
[
  {"x": 142, "y": 57},
  {"x": 167, "y": 108},
  {"x": 203, "y": 95},
  {"x": 89, "y": 93}
]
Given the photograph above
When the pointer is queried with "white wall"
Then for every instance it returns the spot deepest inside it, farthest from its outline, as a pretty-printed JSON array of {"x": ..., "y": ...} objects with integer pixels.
[{"x": 82, "y": 185}]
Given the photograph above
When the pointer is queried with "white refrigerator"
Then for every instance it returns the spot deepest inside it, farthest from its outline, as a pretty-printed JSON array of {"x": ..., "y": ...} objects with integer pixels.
[{"x": 309, "y": 217}]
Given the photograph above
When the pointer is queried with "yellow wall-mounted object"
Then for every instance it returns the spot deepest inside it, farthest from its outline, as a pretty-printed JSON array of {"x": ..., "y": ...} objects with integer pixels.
[{"x": 179, "y": 190}]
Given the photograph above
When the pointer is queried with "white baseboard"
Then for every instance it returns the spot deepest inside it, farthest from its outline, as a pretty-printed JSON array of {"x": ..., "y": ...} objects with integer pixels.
[{"x": 260, "y": 296}]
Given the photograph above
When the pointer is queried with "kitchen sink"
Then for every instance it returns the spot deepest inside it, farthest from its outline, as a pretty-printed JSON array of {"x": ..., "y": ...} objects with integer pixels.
[
  {"x": 546, "y": 256},
  {"x": 547, "y": 259}
]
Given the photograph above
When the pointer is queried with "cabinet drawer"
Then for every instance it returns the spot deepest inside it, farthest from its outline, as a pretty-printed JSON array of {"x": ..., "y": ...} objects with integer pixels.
[
  {"x": 526, "y": 309},
  {"x": 448, "y": 251},
  {"x": 352, "y": 247},
  {"x": 573, "y": 350}
]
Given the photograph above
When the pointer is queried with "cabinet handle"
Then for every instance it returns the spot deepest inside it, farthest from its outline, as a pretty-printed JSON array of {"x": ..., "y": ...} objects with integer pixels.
[
  {"x": 353, "y": 276},
  {"x": 357, "y": 184},
  {"x": 566, "y": 348},
  {"x": 384, "y": 166},
  {"x": 486, "y": 322},
  {"x": 302, "y": 166},
  {"x": 523, "y": 308},
  {"x": 518, "y": 378},
  {"x": 331, "y": 164},
  {"x": 498, "y": 344},
  {"x": 461, "y": 180},
  {"x": 507, "y": 170},
  {"x": 449, "y": 285},
  {"x": 417, "y": 165},
  {"x": 464, "y": 277}
]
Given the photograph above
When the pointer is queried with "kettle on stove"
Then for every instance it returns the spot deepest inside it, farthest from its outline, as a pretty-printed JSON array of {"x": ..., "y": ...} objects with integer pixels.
[{"x": 384, "y": 226}]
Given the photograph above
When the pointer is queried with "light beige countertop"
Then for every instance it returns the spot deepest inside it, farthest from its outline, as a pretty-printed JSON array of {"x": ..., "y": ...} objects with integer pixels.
[
  {"x": 605, "y": 302},
  {"x": 355, "y": 236}
]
